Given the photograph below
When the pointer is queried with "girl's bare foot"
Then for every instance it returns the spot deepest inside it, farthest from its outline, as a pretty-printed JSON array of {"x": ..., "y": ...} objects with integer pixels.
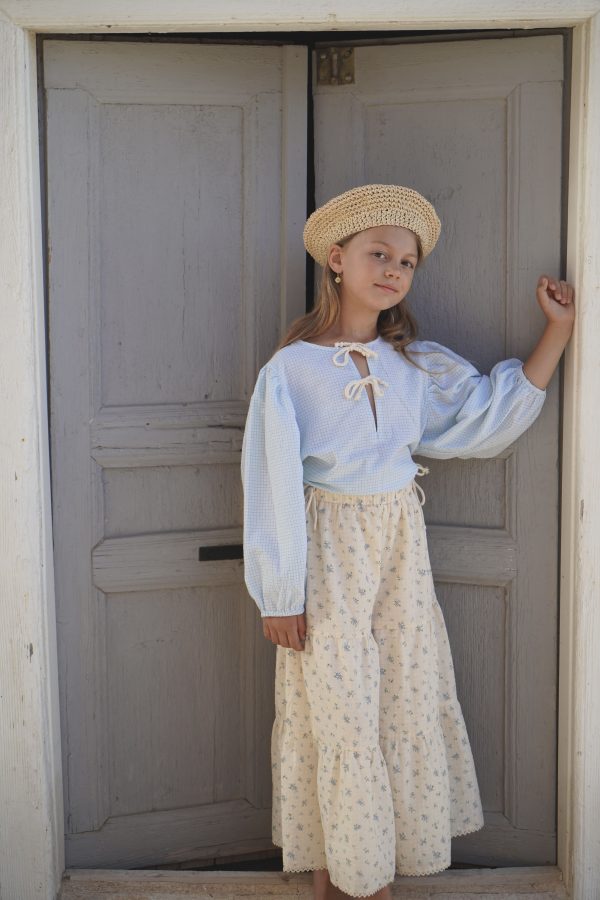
[
  {"x": 325, "y": 890},
  {"x": 321, "y": 884}
]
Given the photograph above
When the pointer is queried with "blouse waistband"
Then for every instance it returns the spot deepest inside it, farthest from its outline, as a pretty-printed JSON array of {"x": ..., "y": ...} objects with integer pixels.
[{"x": 365, "y": 500}]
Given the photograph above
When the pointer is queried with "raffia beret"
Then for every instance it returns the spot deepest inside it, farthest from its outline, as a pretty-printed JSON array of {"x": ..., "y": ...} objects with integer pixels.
[{"x": 365, "y": 207}]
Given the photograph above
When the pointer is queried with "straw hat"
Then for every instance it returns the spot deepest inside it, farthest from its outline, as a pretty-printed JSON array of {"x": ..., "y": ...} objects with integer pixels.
[{"x": 365, "y": 207}]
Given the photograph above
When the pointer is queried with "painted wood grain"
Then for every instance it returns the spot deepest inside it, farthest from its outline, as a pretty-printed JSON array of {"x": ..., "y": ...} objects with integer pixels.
[
  {"x": 460, "y": 122},
  {"x": 175, "y": 259},
  {"x": 184, "y": 15}
]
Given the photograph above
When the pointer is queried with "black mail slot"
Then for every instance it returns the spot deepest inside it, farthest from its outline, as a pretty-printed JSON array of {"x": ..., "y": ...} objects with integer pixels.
[{"x": 224, "y": 551}]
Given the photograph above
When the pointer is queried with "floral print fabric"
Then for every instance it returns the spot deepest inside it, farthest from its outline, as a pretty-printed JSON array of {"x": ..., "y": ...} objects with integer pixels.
[{"x": 372, "y": 768}]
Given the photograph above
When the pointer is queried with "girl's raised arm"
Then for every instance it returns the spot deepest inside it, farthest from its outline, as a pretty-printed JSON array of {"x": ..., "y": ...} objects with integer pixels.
[
  {"x": 556, "y": 299},
  {"x": 469, "y": 414}
]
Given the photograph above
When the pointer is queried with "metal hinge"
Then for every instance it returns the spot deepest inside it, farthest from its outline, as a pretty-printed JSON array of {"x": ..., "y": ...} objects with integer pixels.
[{"x": 335, "y": 65}]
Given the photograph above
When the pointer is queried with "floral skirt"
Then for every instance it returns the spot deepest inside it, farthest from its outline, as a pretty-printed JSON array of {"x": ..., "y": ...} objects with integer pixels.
[{"x": 372, "y": 767}]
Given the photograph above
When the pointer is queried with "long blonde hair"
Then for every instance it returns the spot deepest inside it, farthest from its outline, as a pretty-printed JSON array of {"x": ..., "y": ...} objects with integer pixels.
[{"x": 396, "y": 325}]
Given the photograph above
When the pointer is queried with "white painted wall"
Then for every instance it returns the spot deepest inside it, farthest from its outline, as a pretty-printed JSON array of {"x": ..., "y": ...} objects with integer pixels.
[
  {"x": 579, "y": 703},
  {"x": 31, "y": 802},
  {"x": 31, "y": 837},
  {"x": 302, "y": 15}
]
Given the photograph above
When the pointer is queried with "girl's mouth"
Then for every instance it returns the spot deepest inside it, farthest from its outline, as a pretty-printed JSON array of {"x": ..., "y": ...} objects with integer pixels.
[{"x": 384, "y": 287}]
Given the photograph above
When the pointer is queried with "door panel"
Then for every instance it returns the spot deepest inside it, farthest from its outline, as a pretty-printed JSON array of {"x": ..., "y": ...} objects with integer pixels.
[
  {"x": 171, "y": 168},
  {"x": 467, "y": 124}
]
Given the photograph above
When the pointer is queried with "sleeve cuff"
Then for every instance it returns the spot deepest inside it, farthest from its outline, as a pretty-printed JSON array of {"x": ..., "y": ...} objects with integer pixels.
[
  {"x": 282, "y": 612},
  {"x": 529, "y": 384}
]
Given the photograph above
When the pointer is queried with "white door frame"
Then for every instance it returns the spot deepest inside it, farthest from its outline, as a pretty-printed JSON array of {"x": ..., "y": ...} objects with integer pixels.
[{"x": 31, "y": 787}]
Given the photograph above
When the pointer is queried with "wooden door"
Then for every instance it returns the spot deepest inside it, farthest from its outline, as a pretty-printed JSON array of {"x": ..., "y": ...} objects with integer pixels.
[
  {"x": 476, "y": 126},
  {"x": 176, "y": 201},
  {"x": 172, "y": 171}
]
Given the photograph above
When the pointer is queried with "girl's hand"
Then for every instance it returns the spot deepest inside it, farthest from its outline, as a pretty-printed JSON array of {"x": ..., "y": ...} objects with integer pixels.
[
  {"x": 556, "y": 300},
  {"x": 289, "y": 631}
]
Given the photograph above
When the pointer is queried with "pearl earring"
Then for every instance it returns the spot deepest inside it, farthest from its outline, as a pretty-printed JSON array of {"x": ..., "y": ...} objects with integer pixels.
[{"x": 337, "y": 278}]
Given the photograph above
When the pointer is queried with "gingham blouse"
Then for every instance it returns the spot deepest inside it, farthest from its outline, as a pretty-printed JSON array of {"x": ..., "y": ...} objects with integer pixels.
[{"x": 310, "y": 422}]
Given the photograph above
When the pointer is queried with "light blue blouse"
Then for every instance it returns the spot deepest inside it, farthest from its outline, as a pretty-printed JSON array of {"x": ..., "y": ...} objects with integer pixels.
[{"x": 310, "y": 422}]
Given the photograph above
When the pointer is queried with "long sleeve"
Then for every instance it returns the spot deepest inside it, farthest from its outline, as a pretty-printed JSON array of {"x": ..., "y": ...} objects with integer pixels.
[
  {"x": 469, "y": 414},
  {"x": 275, "y": 538}
]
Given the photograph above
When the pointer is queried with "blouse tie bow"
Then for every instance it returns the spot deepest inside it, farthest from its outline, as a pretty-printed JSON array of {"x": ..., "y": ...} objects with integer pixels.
[
  {"x": 345, "y": 347},
  {"x": 353, "y": 389}
]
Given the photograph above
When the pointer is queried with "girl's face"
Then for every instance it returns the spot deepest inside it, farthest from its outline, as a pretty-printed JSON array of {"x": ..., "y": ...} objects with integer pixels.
[{"x": 385, "y": 255}]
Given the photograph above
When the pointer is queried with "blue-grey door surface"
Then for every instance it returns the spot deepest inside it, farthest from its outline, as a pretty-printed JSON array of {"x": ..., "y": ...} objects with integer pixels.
[{"x": 177, "y": 185}]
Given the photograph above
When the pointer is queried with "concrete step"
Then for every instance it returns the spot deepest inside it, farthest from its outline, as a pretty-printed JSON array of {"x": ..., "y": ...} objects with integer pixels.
[{"x": 516, "y": 883}]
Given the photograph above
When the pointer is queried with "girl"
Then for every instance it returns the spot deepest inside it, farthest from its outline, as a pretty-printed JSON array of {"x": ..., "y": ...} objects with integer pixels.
[{"x": 372, "y": 768}]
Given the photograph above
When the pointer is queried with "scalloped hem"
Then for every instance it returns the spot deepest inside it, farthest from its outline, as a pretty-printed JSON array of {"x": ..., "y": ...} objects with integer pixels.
[
  {"x": 294, "y": 869},
  {"x": 345, "y": 890},
  {"x": 468, "y": 831},
  {"x": 304, "y": 868},
  {"x": 443, "y": 868},
  {"x": 397, "y": 872},
  {"x": 311, "y": 869},
  {"x": 362, "y": 894}
]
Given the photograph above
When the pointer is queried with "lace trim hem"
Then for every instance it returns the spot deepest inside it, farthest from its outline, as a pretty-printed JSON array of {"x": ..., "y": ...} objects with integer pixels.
[
  {"x": 345, "y": 890},
  {"x": 468, "y": 831},
  {"x": 319, "y": 865},
  {"x": 398, "y": 872}
]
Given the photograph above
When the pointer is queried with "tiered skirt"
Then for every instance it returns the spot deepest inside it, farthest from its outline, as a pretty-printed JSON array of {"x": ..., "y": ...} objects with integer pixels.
[{"x": 372, "y": 767}]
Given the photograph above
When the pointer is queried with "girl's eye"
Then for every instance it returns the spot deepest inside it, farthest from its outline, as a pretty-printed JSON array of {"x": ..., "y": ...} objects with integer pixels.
[{"x": 376, "y": 252}]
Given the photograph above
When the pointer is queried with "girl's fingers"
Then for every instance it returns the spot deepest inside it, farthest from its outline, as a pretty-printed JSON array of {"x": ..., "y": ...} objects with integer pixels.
[
  {"x": 282, "y": 638},
  {"x": 294, "y": 634},
  {"x": 287, "y": 631},
  {"x": 562, "y": 290},
  {"x": 295, "y": 639},
  {"x": 302, "y": 626},
  {"x": 288, "y": 637},
  {"x": 270, "y": 633}
]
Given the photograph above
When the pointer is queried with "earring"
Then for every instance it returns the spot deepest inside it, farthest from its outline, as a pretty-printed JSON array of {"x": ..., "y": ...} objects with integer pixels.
[{"x": 337, "y": 278}]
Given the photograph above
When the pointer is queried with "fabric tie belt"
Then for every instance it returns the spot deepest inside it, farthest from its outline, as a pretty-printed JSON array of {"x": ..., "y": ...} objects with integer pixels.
[
  {"x": 421, "y": 470},
  {"x": 311, "y": 500}
]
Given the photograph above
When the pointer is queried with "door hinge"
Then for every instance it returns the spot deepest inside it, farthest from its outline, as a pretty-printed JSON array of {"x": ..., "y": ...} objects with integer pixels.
[{"x": 335, "y": 65}]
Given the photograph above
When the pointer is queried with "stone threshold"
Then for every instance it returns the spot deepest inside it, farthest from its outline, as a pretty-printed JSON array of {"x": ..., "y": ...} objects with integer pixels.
[{"x": 513, "y": 883}]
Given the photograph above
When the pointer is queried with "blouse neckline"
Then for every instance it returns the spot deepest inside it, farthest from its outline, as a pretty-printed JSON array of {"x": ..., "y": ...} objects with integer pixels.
[{"x": 333, "y": 346}]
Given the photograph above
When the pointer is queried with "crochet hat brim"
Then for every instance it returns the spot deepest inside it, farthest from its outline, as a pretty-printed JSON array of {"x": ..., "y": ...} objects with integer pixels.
[{"x": 366, "y": 207}]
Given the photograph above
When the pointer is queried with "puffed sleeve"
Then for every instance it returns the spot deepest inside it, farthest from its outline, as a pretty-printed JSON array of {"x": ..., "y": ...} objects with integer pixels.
[
  {"x": 275, "y": 539},
  {"x": 469, "y": 414}
]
